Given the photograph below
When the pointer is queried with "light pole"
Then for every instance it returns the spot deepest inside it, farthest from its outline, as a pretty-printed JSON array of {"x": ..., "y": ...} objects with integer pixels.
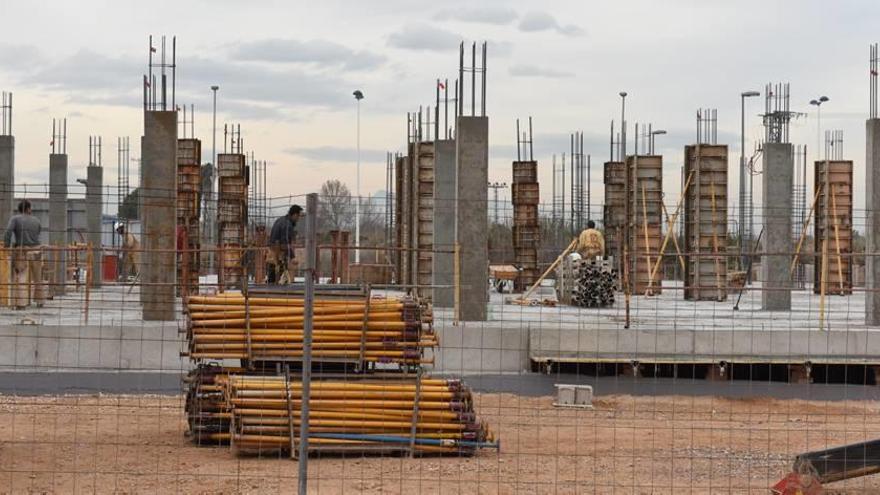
[
  {"x": 658, "y": 132},
  {"x": 818, "y": 102},
  {"x": 623, "y": 126},
  {"x": 209, "y": 221},
  {"x": 743, "y": 245},
  {"x": 358, "y": 95},
  {"x": 214, "y": 129}
]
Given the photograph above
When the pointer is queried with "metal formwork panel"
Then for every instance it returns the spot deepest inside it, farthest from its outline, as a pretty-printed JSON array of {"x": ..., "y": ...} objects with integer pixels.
[
  {"x": 834, "y": 225},
  {"x": 232, "y": 193},
  {"x": 424, "y": 211},
  {"x": 644, "y": 209},
  {"x": 526, "y": 231},
  {"x": 614, "y": 210},
  {"x": 189, "y": 156},
  {"x": 705, "y": 222}
]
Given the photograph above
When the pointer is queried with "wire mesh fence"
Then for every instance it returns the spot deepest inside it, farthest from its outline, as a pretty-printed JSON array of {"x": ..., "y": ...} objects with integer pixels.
[{"x": 686, "y": 396}]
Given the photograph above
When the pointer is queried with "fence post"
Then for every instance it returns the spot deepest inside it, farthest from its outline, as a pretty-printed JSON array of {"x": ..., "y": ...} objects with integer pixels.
[{"x": 308, "y": 313}]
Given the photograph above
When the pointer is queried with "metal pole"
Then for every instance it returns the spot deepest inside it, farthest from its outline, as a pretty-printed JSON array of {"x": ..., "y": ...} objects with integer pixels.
[
  {"x": 308, "y": 314},
  {"x": 742, "y": 182},
  {"x": 357, "y": 205}
]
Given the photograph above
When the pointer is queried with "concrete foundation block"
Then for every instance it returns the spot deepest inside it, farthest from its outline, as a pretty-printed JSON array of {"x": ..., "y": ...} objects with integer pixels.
[{"x": 472, "y": 163}]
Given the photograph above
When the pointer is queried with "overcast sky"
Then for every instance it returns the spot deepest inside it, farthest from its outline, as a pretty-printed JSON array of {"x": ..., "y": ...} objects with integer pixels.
[{"x": 287, "y": 69}]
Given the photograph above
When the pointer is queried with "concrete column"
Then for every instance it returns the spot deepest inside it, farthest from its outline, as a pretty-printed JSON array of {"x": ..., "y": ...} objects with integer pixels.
[
  {"x": 472, "y": 232},
  {"x": 94, "y": 185},
  {"x": 7, "y": 180},
  {"x": 58, "y": 218},
  {"x": 444, "y": 222},
  {"x": 158, "y": 199},
  {"x": 777, "y": 185},
  {"x": 872, "y": 205}
]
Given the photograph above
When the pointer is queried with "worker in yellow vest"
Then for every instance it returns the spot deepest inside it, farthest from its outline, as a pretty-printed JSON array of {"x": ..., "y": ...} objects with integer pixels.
[{"x": 591, "y": 242}]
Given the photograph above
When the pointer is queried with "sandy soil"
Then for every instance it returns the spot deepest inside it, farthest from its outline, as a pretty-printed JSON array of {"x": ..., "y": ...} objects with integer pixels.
[{"x": 136, "y": 444}]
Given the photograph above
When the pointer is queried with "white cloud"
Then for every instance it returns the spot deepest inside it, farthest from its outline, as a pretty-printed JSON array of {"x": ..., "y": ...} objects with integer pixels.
[
  {"x": 321, "y": 52},
  {"x": 542, "y": 21},
  {"x": 424, "y": 37},
  {"x": 526, "y": 70},
  {"x": 481, "y": 15}
]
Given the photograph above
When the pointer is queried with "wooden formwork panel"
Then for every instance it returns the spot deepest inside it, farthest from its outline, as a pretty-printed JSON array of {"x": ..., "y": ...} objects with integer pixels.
[
  {"x": 704, "y": 217},
  {"x": 644, "y": 209},
  {"x": 424, "y": 212},
  {"x": 526, "y": 236},
  {"x": 189, "y": 152},
  {"x": 525, "y": 193},
  {"x": 833, "y": 224},
  {"x": 644, "y": 259},
  {"x": 525, "y": 215},
  {"x": 614, "y": 210},
  {"x": 231, "y": 164},
  {"x": 525, "y": 172}
]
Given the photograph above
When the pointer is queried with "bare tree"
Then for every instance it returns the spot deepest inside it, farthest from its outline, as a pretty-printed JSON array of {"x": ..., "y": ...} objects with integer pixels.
[{"x": 336, "y": 209}]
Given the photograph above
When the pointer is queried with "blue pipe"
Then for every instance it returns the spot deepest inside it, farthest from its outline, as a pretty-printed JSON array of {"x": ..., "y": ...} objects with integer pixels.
[{"x": 406, "y": 440}]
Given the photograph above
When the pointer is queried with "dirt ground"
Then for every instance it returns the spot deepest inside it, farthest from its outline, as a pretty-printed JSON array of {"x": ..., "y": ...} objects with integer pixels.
[{"x": 645, "y": 445}]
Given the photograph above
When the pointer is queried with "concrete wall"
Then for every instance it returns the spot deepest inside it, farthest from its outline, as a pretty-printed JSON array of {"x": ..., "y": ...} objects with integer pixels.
[
  {"x": 481, "y": 348},
  {"x": 777, "y": 186},
  {"x": 444, "y": 221},
  {"x": 700, "y": 346},
  {"x": 91, "y": 347},
  {"x": 7, "y": 181},
  {"x": 872, "y": 222},
  {"x": 58, "y": 216},
  {"x": 158, "y": 193},
  {"x": 472, "y": 162},
  {"x": 94, "y": 184}
]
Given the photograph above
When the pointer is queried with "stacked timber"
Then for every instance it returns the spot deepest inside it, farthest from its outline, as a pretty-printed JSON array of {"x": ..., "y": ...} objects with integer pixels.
[
  {"x": 526, "y": 231},
  {"x": 425, "y": 415},
  {"x": 232, "y": 326},
  {"x": 189, "y": 155},
  {"x": 232, "y": 178}
]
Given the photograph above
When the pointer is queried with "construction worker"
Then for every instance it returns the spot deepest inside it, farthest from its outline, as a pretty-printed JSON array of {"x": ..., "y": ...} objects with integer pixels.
[
  {"x": 281, "y": 260},
  {"x": 131, "y": 253},
  {"x": 23, "y": 235},
  {"x": 591, "y": 242}
]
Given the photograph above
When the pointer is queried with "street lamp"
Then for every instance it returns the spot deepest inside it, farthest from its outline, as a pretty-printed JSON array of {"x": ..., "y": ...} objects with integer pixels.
[
  {"x": 358, "y": 95},
  {"x": 743, "y": 246},
  {"x": 658, "y": 132},
  {"x": 818, "y": 102},
  {"x": 214, "y": 130},
  {"x": 623, "y": 126}
]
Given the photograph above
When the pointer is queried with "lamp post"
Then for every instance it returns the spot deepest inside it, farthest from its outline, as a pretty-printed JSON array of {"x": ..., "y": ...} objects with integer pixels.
[
  {"x": 214, "y": 129},
  {"x": 658, "y": 132},
  {"x": 818, "y": 103},
  {"x": 743, "y": 245},
  {"x": 209, "y": 221},
  {"x": 623, "y": 126},
  {"x": 358, "y": 95}
]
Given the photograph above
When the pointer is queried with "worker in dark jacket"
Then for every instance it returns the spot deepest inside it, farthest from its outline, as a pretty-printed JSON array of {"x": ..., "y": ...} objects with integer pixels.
[
  {"x": 281, "y": 260},
  {"x": 23, "y": 236}
]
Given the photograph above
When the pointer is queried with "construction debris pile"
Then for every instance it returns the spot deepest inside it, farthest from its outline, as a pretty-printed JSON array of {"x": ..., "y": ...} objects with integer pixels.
[{"x": 368, "y": 392}]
